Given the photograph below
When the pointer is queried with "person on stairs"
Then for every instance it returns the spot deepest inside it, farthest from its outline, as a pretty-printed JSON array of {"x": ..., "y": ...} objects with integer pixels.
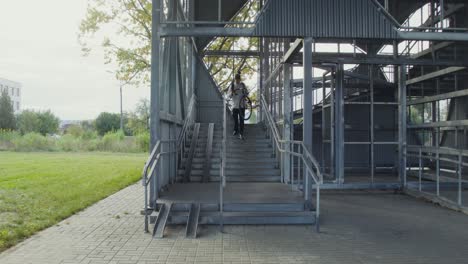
[{"x": 238, "y": 93}]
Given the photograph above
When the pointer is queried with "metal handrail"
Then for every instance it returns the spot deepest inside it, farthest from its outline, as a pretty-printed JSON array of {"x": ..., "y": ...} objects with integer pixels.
[
  {"x": 222, "y": 167},
  {"x": 182, "y": 137},
  {"x": 149, "y": 172},
  {"x": 187, "y": 121},
  {"x": 278, "y": 142},
  {"x": 151, "y": 163},
  {"x": 310, "y": 163},
  {"x": 454, "y": 156}
]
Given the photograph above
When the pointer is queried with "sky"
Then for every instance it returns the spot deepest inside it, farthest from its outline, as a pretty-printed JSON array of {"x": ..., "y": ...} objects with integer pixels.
[{"x": 39, "y": 49}]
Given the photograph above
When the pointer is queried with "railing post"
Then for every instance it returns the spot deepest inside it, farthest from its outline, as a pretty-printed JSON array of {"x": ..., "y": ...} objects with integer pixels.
[
  {"x": 317, "y": 209},
  {"x": 460, "y": 167},
  {"x": 438, "y": 171},
  {"x": 420, "y": 168},
  {"x": 146, "y": 206}
]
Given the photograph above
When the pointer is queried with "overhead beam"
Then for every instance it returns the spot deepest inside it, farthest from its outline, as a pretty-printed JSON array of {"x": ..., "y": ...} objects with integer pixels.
[
  {"x": 231, "y": 53},
  {"x": 439, "y": 97},
  {"x": 435, "y": 74},
  {"x": 454, "y": 123},
  {"x": 350, "y": 58},
  {"x": 361, "y": 58},
  {"x": 428, "y": 51},
  {"x": 248, "y": 32},
  {"x": 206, "y": 32},
  {"x": 433, "y": 36},
  {"x": 295, "y": 48}
]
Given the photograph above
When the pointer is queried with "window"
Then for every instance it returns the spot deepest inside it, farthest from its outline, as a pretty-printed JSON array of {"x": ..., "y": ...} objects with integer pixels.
[{"x": 17, "y": 106}]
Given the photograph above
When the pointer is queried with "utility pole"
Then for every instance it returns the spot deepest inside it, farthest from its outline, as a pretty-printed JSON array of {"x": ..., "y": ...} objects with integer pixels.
[
  {"x": 121, "y": 109},
  {"x": 121, "y": 104}
]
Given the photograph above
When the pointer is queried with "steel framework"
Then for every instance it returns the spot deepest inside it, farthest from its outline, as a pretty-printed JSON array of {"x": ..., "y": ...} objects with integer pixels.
[{"x": 375, "y": 90}]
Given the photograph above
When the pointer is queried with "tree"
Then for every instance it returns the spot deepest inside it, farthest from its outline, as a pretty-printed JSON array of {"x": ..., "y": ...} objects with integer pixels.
[
  {"x": 7, "y": 115},
  {"x": 39, "y": 122},
  {"x": 107, "y": 122},
  {"x": 132, "y": 49},
  {"x": 138, "y": 121},
  {"x": 49, "y": 122}
]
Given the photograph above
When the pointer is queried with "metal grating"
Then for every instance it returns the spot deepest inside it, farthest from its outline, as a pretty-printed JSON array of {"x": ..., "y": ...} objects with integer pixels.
[{"x": 358, "y": 19}]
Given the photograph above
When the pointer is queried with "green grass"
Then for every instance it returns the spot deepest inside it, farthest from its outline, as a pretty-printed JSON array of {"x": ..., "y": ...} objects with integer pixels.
[{"x": 38, "y": 190}]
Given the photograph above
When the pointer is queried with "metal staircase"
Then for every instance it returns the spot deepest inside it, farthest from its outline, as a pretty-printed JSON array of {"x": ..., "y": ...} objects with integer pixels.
[
  {"x": 249, "y": 160},
  {"x": 224, "y": 180}
]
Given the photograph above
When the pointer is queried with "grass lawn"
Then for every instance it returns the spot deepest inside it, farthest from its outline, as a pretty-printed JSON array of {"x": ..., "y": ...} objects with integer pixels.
[{"x": 38, "y": 190}]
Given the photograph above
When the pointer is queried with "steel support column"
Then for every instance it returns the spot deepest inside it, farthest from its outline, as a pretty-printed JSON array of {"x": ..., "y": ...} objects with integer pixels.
[
  {"x": 339, "y": 125},
  {"x": 371, "y": 122},
  {"x": 307, "y": 107},
  {"x": 402, "y": 124},
  {"x": 155, "y": 76},
  {"x": 287, "y": 120}
]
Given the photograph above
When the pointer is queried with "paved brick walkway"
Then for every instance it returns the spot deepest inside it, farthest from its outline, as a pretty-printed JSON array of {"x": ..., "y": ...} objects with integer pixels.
[{"x": 357, "y": 227}]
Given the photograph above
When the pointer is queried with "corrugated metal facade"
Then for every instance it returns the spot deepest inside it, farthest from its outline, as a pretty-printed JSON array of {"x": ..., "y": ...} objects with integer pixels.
[
  {"x": 357, "y": 19},
  {"x": 210, "y": 101}
]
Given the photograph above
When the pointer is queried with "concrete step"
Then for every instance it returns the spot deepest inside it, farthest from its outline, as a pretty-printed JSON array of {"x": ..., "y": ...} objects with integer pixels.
[
  {"x": 243, "y": 207},
  {"x": 247, "y": 218},
  {"x": 249, "y": 156},
  {"x": 259, "y": 166},
  {"x": 236, "y": 172},
  {"x": 240, "y": 178},
  {"x": 234, "y": 160}
]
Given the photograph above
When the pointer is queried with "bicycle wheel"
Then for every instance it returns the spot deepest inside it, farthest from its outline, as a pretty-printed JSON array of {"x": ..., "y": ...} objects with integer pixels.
[{"x": 248, "y": 108}]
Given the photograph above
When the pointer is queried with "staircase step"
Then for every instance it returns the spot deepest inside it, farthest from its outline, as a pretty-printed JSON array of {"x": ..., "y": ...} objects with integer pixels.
[
  {"x": 266, "y": 165},
  {"x": 236, "y": 172},
  {"x": 249, "y": 218},
  {"x": 240, "y": 178}
]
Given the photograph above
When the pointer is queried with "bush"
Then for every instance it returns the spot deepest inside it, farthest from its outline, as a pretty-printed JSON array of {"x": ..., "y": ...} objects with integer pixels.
[
  {"x": 34, "y": 142},
  {"x": 38, "y": 122},
  {"x": 6, "y": 139},
  {"x": 89, "y": 134},
  {"x": 89, "y": 141},
  {"x": 69, "y": 143},
  {"x": 107, "y": 122},
  {"x": 75, "y": 130},
  {"x": 143, "y": 141}
]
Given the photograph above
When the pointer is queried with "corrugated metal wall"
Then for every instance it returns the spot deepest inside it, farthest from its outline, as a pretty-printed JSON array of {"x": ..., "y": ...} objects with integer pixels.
[
  {"x": 324, "y": 19},
  {"x": 210, "y": 102}
]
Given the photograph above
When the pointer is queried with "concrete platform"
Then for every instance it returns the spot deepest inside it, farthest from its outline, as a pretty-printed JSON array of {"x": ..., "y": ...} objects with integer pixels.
[
  {"x": 357, "y": 227},
  {"x": 251, "y": 192}
]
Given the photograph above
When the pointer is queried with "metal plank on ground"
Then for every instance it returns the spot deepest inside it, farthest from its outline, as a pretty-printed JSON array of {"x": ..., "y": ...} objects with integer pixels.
[
  {"x": 161, "y": 221},
  {"x": 192, "y": 221},
  {"x": 193, "y": 146}
]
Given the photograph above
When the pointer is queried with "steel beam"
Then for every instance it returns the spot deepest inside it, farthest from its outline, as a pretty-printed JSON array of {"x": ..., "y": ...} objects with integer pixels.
[
  {"x": 435, "y": 74},
  {"x": 288, "y": 120},
  {"x": 206, "y": 32},
  {"x": 454, "y": 123},
  {"x": 339, "y": 125},
  {"x": 433, "y": 36},
  {"x": 450, "y": 95},
  {"x": 402, "y": 124},
  {"x": 155, "y": 77},
  {"x": 295, "y": 47},
  {"x": 307, "y": 106},
  {"x": 371, "y": 123}
]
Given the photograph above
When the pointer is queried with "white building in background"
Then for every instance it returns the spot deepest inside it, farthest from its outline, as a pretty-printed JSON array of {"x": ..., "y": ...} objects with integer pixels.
[{"x": 14, "y": 91}]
